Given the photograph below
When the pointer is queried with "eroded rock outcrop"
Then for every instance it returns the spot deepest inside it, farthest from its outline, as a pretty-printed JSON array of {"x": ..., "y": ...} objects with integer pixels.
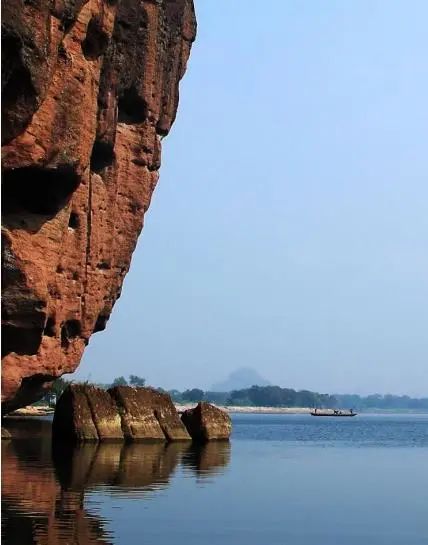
[
  {"x": 85, "y": 413},
  {"x": 165, "y": 413},
  {"x": 89, "y": 89},
  {"x": 73, "y": 418},
  {"x": 207, "y": 423},
  {"x": 138, "y": 418}
]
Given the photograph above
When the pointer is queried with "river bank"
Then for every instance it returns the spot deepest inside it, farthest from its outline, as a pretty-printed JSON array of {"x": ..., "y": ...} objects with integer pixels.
[
  {"x": 252, "y": 410},
  {"x": 33, "y": 410},
  {"x": 46, "y": 411}
]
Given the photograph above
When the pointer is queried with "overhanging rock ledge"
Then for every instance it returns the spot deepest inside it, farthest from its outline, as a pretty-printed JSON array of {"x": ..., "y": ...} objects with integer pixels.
[{"x": 89, "y": 89}]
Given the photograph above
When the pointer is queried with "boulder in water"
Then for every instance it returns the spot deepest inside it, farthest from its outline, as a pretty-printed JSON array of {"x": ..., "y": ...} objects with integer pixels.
[
  {"x": 206, "y": 423},
  {"x": 139, "y": 422}
]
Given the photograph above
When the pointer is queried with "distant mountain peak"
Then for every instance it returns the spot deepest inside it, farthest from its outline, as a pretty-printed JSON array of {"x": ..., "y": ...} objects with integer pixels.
[{"x": 244, "y": 377}]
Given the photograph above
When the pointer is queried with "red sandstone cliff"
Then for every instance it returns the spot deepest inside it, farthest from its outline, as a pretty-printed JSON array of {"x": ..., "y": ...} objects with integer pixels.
[{"x": 89, "y": 88}]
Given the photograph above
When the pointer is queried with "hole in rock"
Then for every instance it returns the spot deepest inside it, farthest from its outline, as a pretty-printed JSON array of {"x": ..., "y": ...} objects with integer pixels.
[
  {"x": 139, "y": 162},
  {"x": 19, "y": 97},
  {"x": 22, "y": 340},
  {"x": 64, "y": 56},
  {"x": 102, "y": 156},
  {"x": 96, "y": 40},
  {"x": 50, "y": 327},
  {"x": 38, "y": 190},
  {"x": 132, "y": 109},
  {"x": 73, "y": 221},
  {"x": 101, "y": 323},
  {"x": 70, "y": 330}
]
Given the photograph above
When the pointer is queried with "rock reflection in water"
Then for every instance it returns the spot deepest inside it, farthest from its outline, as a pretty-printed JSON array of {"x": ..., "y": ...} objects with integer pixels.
[
  {"x": 207, "y": 460},
  {"x": 44, "y": 488},
  {"x": 35, "y": 509},
  {"x": 116, "y": 467}
]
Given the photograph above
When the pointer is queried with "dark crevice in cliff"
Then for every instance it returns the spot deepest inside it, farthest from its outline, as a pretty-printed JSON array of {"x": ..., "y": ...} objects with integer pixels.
[
  {"x": 37, "y": 190},
  {"x": 50, "y": 327},
  {"x": 23, "y": 313},
  {"x": 22, "y": 340},
  {"x": 132, "y": 109},
  {"x": 88, "y": 248},
  {"x": 101, "y": 323},
  {"x": 102, "y": 156},
  {"x": 71, "y": 329},
  {"x": 96, "y": 40},
  {"x": 19, "y": 97},
  {"x": 73, "y": 221},
  {"x": 31, "y": 389},
  {"x": 67, "y": 13}
]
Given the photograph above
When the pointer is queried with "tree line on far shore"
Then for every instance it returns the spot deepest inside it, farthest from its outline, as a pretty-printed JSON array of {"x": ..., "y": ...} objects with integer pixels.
[
  {"x": 59, "y": 385},
  {"x": 273, "y": 396},
  {"x": 258, "y": 396}
]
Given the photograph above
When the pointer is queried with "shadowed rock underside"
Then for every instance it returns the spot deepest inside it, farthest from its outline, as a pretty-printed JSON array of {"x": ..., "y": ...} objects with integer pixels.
[{"x": 89, "y": 89}]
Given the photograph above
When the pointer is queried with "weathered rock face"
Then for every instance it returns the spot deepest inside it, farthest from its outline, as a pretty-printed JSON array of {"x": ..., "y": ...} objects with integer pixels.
[
  {"x": 206, "y": 423},
  {"x": 165, "y": 413},
  {"x": 89, "y": 89},
  {"x": 73, "y": 417},
  {"x": 85, "y": 413},
  {"x": 139, "y": 422}
]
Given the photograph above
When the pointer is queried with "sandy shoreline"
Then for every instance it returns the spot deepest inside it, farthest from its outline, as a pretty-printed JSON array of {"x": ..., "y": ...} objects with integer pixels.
[
  {"x": 44, "y": 410},
  {"x": 36, "y": 410},
  {"x": 48, "y": 411},
  {"x": 252, "y": 410}
]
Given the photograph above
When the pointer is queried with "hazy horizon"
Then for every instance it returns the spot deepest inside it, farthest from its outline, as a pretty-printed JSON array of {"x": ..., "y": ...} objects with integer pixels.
[
  {"x": 289, "y": 230},
  {"x": 213, "y": 388}
]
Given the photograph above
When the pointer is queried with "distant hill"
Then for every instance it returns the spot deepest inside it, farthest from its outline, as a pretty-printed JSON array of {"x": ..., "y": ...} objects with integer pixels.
[{"x": 244, "y": 377}]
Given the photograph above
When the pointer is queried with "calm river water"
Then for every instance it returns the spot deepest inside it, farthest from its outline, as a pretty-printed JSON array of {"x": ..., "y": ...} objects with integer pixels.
[{"x": 283, "y": 479}]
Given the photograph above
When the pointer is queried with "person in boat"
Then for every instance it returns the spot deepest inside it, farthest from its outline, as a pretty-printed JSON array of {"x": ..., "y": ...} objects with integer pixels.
[
  {"x": 336, "y": 411},
  {"x": 351, "y": 411}
]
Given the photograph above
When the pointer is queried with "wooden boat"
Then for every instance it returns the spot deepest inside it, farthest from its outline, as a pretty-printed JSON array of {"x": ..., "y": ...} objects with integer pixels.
[{"x": 334, "y": 412}]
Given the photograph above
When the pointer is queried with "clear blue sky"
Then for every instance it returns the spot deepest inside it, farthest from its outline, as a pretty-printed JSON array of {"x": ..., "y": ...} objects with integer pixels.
[{"x": 289, "y": 230}]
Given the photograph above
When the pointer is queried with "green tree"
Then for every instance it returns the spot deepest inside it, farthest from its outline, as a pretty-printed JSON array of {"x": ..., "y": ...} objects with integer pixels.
[
  {"x": 176, "y": 395},
  {"x": 135, "y": 380},
  {"x": 195, "y": 394},
  {"x": 119, "y": 381},
  {"x": 58, "y": 386}
]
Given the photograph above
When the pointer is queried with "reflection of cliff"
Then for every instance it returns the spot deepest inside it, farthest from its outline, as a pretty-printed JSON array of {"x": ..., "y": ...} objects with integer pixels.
[
  {"x": 44, "y": 490},
  {"x": 34, "y": 508}
]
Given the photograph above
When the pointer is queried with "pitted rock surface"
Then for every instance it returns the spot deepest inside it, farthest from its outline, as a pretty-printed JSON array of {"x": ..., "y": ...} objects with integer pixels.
[
  {"x": 73, "y": 420},
  {"x": 165, "y": 413},
  {"x": 139, "y": 422},
  {"x": 207, "y": 423},
  {"x": 89, "y": 89},
  {"x": 86, "y": 413}
]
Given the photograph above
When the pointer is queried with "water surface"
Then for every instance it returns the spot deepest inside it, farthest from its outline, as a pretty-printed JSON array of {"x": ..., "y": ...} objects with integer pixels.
[{"x": 283, "y": 479}]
